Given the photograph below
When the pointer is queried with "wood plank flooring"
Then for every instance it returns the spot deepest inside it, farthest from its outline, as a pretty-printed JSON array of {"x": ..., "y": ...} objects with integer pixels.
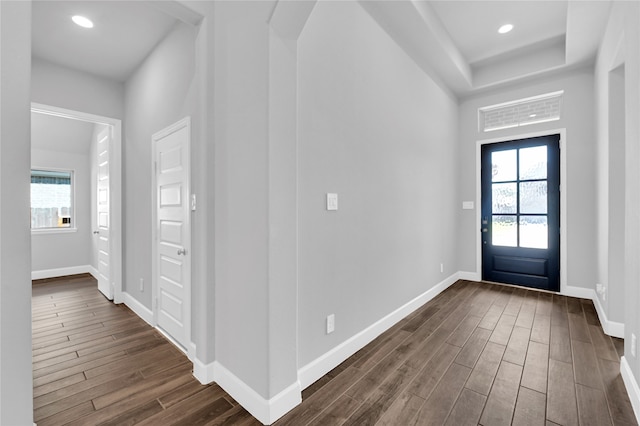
[{"x": 476, "y": 354}]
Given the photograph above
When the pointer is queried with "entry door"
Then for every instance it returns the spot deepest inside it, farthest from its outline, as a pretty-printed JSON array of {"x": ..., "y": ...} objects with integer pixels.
[
  {"x": 521, "y": 212},
  {"x": 172, "y": 251},
  {"x": 103, "y": 213}
]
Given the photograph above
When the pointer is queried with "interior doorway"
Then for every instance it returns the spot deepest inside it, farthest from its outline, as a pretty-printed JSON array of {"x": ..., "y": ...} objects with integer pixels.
[
  {"x": 520, "y": 212},
  {"x": 108, "y": 249}
]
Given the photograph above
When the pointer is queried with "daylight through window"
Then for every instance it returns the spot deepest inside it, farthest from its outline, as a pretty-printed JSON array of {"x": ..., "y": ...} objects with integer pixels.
[{"x": 51, "y": 199}]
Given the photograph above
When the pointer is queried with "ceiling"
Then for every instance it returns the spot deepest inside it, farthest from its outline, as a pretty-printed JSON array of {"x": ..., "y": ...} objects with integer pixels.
[
  {"x": 125, "y": 32},
  {"x": 458, "y": 41},
  {"x": 473, "y": 25},
  {"x": 455, "y": 41}
]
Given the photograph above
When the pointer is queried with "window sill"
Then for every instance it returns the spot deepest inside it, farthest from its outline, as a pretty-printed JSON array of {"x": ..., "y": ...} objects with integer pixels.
[{"x": 44, "y": 231}]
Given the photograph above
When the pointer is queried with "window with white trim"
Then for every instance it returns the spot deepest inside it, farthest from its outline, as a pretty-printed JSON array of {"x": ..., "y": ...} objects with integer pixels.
[{"x": 51, "y": 199}]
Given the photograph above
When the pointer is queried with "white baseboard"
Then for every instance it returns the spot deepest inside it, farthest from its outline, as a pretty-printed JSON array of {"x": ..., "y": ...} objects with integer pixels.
[
  {"x": 138, "y": 308},
  {"x": 205, "y": 373},
  {"x": 612, "y": 328},
  {"x": 632, "y": 386},
  {"x": 191, "y": 351},
  {"x": 317, "y": 368},
  {"x": 580, "y": 292},
  {"x": 265, "y": 410},
  {"x": 62, "y": 272},
  {"x": 93, "y": 271},
  {"x": 469, "y": 276}
]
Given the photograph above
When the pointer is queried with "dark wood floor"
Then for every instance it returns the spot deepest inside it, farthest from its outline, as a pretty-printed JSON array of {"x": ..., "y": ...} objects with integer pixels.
[{"x": 476, "y": 354}]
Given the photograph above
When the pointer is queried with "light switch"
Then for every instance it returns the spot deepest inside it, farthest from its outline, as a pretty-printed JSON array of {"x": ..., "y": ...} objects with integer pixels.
[
  {"x": 332, "y": 201},
  {"x": 467, "y": 205}
]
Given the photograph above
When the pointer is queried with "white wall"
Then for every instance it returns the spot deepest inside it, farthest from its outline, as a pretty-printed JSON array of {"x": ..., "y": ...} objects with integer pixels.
[
  {"x": 16, "y": 384},
  {"x": 374, "y": 128},
  {"x": 241, "y": 190},
  {"x": 577, "y": 118},
  {"x": 610, "y": 126},
  {"x": 63, "y": 87},
  {"x": 159, "y": 93},
  {"x": 621, "y": 44},
  {"x": 60, "y": 143}
]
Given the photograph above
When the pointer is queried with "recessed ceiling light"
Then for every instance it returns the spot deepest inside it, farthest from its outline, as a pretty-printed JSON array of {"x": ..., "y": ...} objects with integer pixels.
[
  {"x": 505, "y": 28},
  {"x": 82, "y": 21},
  {"x": 532, "y": 115}
]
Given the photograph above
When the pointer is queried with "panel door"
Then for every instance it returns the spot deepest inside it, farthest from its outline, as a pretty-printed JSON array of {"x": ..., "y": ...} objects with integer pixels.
[
  {"x": 520, "y": 221},
  {"x": 103, "y": 213},
  {"x": 173, "y": 232}
]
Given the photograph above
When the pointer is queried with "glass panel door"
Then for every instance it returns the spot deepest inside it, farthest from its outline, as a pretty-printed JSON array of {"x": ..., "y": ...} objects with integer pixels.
[{"x": 520, "y": 212}]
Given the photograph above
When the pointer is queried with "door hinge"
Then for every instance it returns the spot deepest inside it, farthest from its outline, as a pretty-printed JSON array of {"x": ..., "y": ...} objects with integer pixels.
[{"x": 155, "y": 167}]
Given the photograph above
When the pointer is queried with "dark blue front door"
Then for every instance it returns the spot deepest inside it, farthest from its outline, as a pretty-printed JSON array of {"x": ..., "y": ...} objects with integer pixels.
[{"x": 520, "y": 220}]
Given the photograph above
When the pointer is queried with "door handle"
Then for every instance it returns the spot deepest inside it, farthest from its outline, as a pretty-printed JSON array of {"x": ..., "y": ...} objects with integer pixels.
[
  {"x": 182, "y": 251},
  {"x": 96, "y": 232}
]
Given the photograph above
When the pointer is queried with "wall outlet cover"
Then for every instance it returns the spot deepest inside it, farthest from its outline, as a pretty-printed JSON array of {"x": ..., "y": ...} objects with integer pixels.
[
  {"x": 332, "y": 201},
  {"x": 331, "y": 323}
]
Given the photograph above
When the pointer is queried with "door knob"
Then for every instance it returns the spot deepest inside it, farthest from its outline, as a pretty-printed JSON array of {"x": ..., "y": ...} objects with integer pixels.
[
  {"x": 182, "y": 251},
  {"x": 96, "y": 232}
]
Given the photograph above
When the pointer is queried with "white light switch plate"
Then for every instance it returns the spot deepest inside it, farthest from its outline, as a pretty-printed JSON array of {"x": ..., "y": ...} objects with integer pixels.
[
  {"x": 467, "y": 205},
  {"x": 332, "y": 201}
]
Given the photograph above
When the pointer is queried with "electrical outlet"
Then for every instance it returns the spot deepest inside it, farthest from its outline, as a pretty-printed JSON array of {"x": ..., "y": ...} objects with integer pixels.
[
  {"x": 141, "y": 285},
  {"x": 634, "y": 343},
  {"x": 332, "y": 201},
  {"x": 331, "y": 323}
]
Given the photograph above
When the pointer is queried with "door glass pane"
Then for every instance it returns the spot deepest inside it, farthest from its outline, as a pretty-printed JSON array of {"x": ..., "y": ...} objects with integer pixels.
[
  {"x": 504, "y": 166},
  {"x": 504, "y": 198},
  {"x": 504, "y": 231},
  {"x": 533, "y": 197},
  {"x": 534, "y": 232},
  {"x": 533, "y": 163}
]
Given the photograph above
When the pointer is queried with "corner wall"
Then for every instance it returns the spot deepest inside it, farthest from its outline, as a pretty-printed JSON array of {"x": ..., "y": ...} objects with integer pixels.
[
  {"x": 621, "y": 44},
  {"x": 16, "y": 386}
]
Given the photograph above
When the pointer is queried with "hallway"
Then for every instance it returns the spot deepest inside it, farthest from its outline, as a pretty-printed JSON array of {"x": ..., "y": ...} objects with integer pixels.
[
  {"x": 475, "y": 354},
  {"x": 98, "y": 363}
]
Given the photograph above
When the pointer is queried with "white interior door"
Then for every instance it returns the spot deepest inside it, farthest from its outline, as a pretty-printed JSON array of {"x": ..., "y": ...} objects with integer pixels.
[
  {"x": 172, "y": 231},
  {"x": 103, "y": 213}
]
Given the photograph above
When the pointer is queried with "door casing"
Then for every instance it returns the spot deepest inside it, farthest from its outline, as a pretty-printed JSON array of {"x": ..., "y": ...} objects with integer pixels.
[
  {"x": 563, "y": 198},
  {"x": 115, "y": 186}
]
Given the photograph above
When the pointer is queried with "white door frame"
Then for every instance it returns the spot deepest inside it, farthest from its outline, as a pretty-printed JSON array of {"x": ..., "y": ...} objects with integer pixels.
[
  {"x": 115, "y": 185},
  {"x": 563, "y": 199},
  {"x": 189, "y": 349}
]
